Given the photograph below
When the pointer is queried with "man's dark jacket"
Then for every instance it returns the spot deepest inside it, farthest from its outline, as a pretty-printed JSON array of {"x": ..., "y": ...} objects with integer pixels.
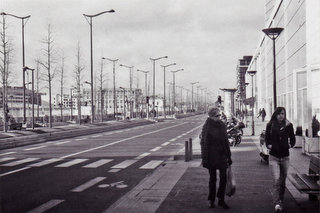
[{"x": 215, "y": 149}]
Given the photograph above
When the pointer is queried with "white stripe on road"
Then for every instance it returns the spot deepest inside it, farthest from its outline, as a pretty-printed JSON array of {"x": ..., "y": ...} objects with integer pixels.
[
  {"x": 124, "y": 164},
  {"x": 80, "y": 139},
  {"x": 156, "y": 149},
  {"x": 88, "y": 184},
  {"x": 46, "y": 206},
  {"x": 142, "y": 156},
  {"x": 120, "y": 141},
  {"x": 152, "y": 164},
  {"x": 71, "y": 163},
  {"x": 15, "y": 163},
  {"x": 6, "y": 159},
  {"x": 45, "y": 162},
  {"x": 14, "y": 171},
  {"x": 96, "y": 136},
  {"x": 62, "y": 142},
  {"x": 7, "y": 153},
  {"x": 98, "y": 163},
  {"x": 173, "y": 139},
  {"x": 34, "y": 148},
  {"x": 165, "y": 144},
  {"x": 114, "y": 170}
]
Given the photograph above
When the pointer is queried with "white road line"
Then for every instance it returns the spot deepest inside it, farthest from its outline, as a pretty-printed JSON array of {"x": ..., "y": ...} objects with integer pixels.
[
  {"x": 45, "y": 162},
  {"x": 155, "y": 149},
  {"x": 152, "y": 164},
  {"x": 80, "y": 139},
  {"x": 15, "y": 163},
  {"x": 6, "y": 159},
  {"x": 7, "y": 153},
  {"x": 114, "y": 170},
  {"x": 71, "y": 163},
  {"x": 34, "y": 148},
  {"x": 88, "y": 184},
  {"x": 165, "y": 144},
  {"x": 120, "y": 141},
  {"x": 46, "y": 206},
  {"x": 124, "y": 164},
  {"x": 173, "y": 139},
  {"x": 14, "y": 171},
  {"x": 142, "y": 156},
  {"x": 62, "y": 142},
  {"x": 96, "y": 136},
  {"x": 98, "y": 163}
]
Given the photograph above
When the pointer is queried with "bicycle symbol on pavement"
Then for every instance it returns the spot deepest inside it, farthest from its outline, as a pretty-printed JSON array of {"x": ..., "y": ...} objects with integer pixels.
[{"x": 118, "y": 185}]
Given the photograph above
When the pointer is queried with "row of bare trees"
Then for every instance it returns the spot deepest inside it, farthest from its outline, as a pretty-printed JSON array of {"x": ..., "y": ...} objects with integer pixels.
[{"x": 46, "y": 70}]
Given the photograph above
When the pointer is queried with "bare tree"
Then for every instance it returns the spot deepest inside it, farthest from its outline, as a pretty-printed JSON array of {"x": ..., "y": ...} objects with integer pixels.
[
  {"x": 61, "y": 86},
  {"x": 5, "y": 51},
  {"x": 47, "y": 64},
  {"x": 37, "y": 86},
  {"x": 101, "y": 80},
  {"x": 78, "y": 78}
]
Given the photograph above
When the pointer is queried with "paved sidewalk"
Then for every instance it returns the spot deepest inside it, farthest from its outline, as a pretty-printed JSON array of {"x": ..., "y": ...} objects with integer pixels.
[{"x": 182, "y": 186}]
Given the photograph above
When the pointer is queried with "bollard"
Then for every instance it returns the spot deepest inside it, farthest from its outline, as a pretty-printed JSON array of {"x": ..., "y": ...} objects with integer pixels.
[
  {"x": 187, "y": 152},
  {"x": 190, "y": 149}
]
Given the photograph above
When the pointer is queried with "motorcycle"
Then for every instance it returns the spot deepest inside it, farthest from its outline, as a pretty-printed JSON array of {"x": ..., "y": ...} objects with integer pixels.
[{"x": 234, "y": 132}]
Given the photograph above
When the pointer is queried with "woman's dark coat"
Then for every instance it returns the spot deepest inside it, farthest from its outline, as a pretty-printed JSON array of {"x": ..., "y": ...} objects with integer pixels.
[
  {"x": 278, "y": 135},
  {"x": 215, "y": 149}
]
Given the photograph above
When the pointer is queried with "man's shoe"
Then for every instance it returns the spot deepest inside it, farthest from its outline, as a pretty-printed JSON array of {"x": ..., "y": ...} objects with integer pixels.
[
  {"x": 277, "y": 208},
  {"x": 212, "y": 204},
  {"x": 223, "y": 204}
]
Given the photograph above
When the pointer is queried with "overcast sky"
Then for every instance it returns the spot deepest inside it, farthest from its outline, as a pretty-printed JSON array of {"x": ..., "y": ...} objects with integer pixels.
[{"x": 204, "y": 37}]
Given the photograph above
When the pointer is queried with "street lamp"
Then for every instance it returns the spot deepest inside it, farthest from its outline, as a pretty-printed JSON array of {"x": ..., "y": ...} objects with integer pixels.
[
  {"x": 91, "y": 61},
  {"x": 154, "y": 82},
  {"x": 124, "y": 101},
  {"x": 23, "y": 59},
  {"x": 164, "y": 86},
  {"x": 273, "y": 33},
  {"x": 32, "y": 98},
  {"x": 130, "y": 77},
  {"x": 115, "y": 109},
  {"x": 192, "y": 105},
  {"x": 174, "y": 86},
  {"x": 252, "y": 73},
  {"x": 146, "y": 89}
]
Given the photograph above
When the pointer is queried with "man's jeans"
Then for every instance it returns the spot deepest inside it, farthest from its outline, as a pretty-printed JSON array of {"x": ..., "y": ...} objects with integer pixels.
[{"x": 279, "y": 168}]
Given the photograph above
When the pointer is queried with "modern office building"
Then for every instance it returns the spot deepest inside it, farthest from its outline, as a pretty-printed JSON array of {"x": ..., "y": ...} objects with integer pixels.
[{"x": 297, "y": 51}]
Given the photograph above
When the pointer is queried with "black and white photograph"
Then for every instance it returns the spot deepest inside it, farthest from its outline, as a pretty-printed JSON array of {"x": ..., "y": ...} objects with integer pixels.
[{"x": 159, "y": 106}]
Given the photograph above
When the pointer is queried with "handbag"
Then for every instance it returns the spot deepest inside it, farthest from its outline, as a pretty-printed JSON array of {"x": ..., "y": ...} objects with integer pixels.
[{"x": 231, "y": 183}]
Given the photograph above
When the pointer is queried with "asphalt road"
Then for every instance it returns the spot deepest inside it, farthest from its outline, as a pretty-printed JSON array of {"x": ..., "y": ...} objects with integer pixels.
[{"x": 88, "y": 173}]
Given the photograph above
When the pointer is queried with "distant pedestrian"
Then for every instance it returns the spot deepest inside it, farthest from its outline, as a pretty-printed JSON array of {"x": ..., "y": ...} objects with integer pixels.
[
  {"x": 215, "y": 152},
  {"x": 262, "y": 113},
  {"x": 279, "y": 138}
]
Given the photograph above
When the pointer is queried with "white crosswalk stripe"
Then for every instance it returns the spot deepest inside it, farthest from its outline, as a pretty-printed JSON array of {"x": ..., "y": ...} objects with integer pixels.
[
  {"x": 45, "y": 162},
  {"x": 5, "y": 159},
  {"x": 124, "y": 164},
  {"x": 19, "y": 162},
  {"x": 98, "y": 163},
  {"x": 71, "y": 163},
  {"x": 151, "y": 164}
]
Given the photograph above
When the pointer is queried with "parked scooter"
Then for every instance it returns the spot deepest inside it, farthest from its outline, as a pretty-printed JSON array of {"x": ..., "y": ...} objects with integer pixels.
[{"x": 234, "y": 131}]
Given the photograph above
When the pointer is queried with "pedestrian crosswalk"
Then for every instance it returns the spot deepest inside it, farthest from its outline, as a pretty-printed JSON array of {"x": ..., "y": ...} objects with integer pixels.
[{"x": 114, "y": 165}]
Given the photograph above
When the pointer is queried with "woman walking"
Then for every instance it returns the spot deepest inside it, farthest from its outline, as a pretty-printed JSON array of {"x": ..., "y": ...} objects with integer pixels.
[
  {"x": 216, "y": 155},
  {"x": 279, "y": 138}
]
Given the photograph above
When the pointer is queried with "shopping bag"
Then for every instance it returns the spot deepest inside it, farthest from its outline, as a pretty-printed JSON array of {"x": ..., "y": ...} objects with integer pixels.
[{"x": 231, "y": 183}]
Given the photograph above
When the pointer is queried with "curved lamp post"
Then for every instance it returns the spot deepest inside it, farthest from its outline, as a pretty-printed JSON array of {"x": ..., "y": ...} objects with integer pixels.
[
  {"x": 252, "y": 73},
  {"x": 91, "y": 59},
  {"x": 32, "y": 98},
  {"x": 164, "y": 86},
  {"x": 192, "y": 105},
  {"x": 130, "y": 95},
  {"x": 23, "y": 59},
  {"x": 174, "y": 86},
  {"x": 154, "y": 82},
  {"x": 273, "y": 34},
  {"x": 115, "y": 109}
]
